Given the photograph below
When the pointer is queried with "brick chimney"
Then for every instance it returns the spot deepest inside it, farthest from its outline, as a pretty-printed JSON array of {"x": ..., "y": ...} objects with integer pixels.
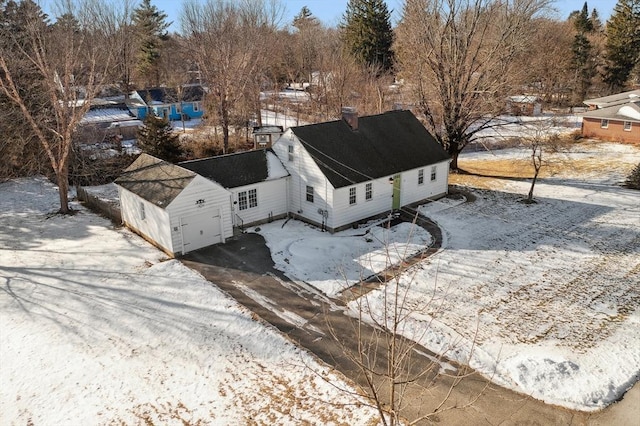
[{"x": 350, "y": 115}]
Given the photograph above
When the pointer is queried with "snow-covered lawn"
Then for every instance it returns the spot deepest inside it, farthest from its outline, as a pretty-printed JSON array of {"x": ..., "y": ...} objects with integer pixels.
[
  {"x": 332, "y": 263},
  {"x": 541, "y": 298},
  {"x": 96, "y": 329}
]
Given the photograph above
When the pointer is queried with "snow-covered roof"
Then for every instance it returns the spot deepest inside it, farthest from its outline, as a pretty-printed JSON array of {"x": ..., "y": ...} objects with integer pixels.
[
  {"x": 626, "y": 112},
  {"x": 106, "y": 115},
  {"x": 615, "y": 99},
  {"x": 267, "y": 129}
]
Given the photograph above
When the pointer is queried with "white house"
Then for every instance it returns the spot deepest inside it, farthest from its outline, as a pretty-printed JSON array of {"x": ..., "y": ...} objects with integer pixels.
[
  {"x": 174, "y": 208},
  {"x": 256, "y": 180},
  {"x": 348, "y": 170},
  {"x": 331, "y": 174}
]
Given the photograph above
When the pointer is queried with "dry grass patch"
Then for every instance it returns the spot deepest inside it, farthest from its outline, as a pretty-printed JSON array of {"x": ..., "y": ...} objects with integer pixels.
[{"x": 490, "y": 173}]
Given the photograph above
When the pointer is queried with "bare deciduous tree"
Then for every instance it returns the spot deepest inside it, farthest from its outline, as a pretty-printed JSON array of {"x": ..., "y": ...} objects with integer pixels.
[
  {"x": 546, "y": 64},
  {"x": 540, "y": 139},
  {"x": 71, "y": 59},
  {"x": 231, "y": 41},
  {"x": 458, "y": 56},
  {"x": 383, "y": 344}
]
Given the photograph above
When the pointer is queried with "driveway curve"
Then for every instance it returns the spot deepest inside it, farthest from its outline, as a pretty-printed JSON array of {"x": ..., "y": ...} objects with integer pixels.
[{"x": 243, "y": 268}]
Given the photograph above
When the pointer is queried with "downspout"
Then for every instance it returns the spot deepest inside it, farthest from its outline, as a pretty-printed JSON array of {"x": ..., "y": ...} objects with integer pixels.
[{"x": 326, "y": 201}]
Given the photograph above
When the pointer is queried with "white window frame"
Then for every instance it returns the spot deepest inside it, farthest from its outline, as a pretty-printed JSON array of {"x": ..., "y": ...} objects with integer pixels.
[
  {"x": 368, "y": 191},
  {"x": 290, "y": 151},
  {"x": 627, "y": 128},
  {"x": 434, "y": 173},
  {"x": 421, "y": 177},
  {"x": 253, "y": 198},
  {"x": 604, "y": 123},
  {"x": 196, "y": 106},
  {"x": 353, "y": 196},
  {"x": 310, "y": 194},
  {"x": 243, "y": 200}
]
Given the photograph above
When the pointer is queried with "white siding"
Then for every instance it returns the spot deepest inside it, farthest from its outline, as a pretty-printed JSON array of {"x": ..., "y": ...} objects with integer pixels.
[
  {"x": 304, "y": 171},
  {"x": 411, "y": 191},
  {"x": 380, "y": 202},
  {"x": 215, "y": 198},
  {"x": 272, "y": 200},
  {"x": 154, "y": 226}
]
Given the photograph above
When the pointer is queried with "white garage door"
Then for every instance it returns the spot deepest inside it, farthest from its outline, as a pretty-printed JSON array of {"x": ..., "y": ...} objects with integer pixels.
[{"x": 200, "y": 230}]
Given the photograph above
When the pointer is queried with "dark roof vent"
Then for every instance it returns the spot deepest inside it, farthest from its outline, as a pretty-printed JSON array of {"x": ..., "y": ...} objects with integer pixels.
[{"x": 350, "y": 115}]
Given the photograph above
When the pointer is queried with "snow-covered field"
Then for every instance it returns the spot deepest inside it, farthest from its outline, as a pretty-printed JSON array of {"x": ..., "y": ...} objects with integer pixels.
[
  {"x": 541, "y": 298},
  {"x": 96, "y": 329}
]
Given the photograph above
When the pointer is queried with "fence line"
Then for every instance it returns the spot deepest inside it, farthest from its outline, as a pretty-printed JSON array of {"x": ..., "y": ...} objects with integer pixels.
[{"x": 99, "y": 206}]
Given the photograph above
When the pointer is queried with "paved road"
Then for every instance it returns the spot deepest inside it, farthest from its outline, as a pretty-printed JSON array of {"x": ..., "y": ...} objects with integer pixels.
[{"x": 243, "y": 268}]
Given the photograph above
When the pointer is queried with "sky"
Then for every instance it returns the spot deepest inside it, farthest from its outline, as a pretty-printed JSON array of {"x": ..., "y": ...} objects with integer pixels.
[{"x": 330, "y": 11}]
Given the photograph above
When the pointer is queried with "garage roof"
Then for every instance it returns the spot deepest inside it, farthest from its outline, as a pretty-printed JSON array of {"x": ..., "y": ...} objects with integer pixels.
[{"x": 155, "y": 180}]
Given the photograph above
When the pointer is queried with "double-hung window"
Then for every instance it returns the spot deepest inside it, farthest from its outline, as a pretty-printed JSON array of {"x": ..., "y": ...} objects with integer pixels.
[
  {"x": 253, "y": 198},
  {"x": 368, "y": 191},
  {"x": 627, "y": 126},
  {"x": 420, "y": 176},
  {"x": 434, "y": 170},
  {"x": 352, "y": 195},
  {"x": 310, "y": 194},
  {"x": 604, "y": 123}
]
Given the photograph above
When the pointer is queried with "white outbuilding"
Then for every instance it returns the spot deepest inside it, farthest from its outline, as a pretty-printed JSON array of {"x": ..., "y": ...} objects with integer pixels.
[{"x": 173, "y": 207}]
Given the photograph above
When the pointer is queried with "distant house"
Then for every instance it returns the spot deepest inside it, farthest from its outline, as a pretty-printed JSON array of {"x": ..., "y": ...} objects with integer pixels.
[
  {"x": 331, "y": 174},
  {"x": 527, "y": 105},
  {"x": 613, "y": 118},
  {"x": 169, "y": 103},
  {"x": 355, "y": 168},
  {"x": 106, "y": 118},
  {"x": 613, "y": 100}
]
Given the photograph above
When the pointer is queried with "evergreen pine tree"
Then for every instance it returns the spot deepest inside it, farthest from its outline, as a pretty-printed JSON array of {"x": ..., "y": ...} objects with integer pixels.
[
  {"x": 367, "y": 32},
  {"x": 156, "y": 138},
  {"x": 151, "y": 29},
  {"x": 584, "y": 62},
  {"x": 623, "y": 43},
  {"x": 633, "y": 180}
]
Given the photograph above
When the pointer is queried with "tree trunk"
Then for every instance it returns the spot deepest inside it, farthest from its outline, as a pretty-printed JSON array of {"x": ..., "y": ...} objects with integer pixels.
[
  {"x": 62, "y": 178},
  {"x": 224, "y": 115},
  {"x": 533, "y": 184},
  {"x": 454, "y": 150}
]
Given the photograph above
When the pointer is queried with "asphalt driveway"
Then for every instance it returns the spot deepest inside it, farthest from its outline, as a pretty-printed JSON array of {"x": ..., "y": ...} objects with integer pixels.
[{"x": 243, "y": 268}]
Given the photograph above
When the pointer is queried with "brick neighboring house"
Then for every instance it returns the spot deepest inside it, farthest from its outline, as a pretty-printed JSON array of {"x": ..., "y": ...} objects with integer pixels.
[{"x": 613, "y": 118}]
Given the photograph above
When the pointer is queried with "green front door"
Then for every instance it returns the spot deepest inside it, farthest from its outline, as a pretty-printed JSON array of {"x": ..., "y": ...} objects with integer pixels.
[{"x": 396, "y": 192}]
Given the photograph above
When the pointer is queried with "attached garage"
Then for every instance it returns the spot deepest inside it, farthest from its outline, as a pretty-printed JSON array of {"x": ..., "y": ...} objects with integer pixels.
[
  {"x": 172, "y": 207},
  {"x": 201, "y": 230}
]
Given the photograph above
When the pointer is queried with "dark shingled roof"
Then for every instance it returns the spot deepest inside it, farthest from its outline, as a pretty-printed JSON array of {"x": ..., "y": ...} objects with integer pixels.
[
  {"x": 383, "y": 145},
  {"x": 170, "y": 95},
  {"x": 155, "y": 180},
  {"x": 232, "y": 170}
]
